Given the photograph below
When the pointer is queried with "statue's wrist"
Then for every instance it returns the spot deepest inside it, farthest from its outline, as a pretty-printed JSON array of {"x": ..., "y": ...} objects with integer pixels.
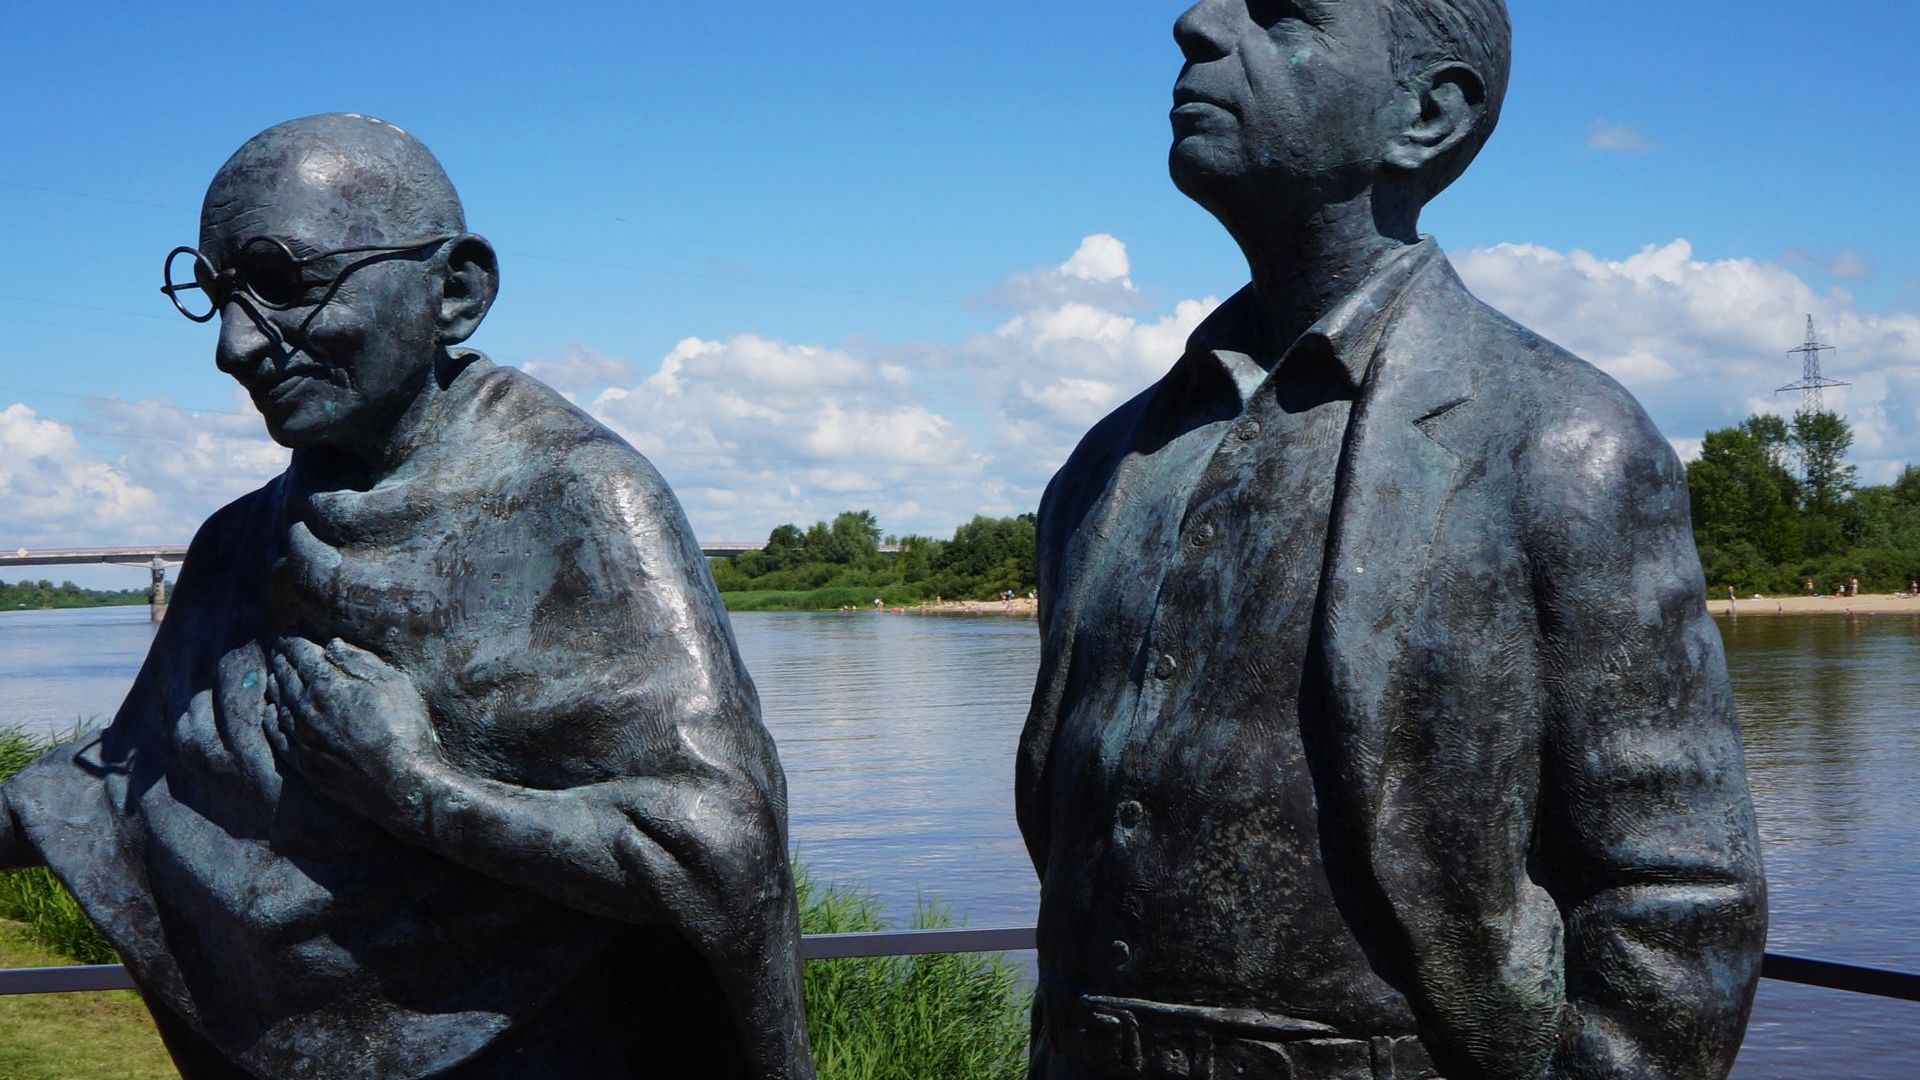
[
  {"x": 412, "y": 795},
  {"x": 434, "y": 804}
]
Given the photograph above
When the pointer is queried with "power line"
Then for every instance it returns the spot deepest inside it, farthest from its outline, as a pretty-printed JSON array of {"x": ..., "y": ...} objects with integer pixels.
[
  {"x": 44, "y": 302},
  {"x": 1812, "y": 384},
  {"x": 101, "y": 330},
  {"x": 94, "y": 196}
]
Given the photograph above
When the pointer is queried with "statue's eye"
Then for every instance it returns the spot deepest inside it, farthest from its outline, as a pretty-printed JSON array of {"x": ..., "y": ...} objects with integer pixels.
[
  {"x": 271, "y": 273},
  {"x": 1269, "y": 12}
]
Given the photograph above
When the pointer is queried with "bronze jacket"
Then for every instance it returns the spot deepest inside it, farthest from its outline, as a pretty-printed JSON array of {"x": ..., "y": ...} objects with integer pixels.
[{"x": 1526, "y": 758}]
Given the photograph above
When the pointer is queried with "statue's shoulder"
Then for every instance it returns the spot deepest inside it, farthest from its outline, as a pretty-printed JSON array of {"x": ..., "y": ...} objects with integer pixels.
[
  {"x": 1583, "y": 448},
  {"x": 1563, "y": 412},
  {"x": 573, "y": 466},
  {"x": 1084, "y": 475}
]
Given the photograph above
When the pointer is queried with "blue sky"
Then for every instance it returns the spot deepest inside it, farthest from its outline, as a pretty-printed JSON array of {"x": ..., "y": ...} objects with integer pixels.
[{"x": 836, "y": 254}]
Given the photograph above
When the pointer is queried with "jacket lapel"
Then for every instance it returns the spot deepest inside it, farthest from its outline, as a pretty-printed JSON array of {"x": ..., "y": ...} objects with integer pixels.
[{"x": 1396, "y": 478}]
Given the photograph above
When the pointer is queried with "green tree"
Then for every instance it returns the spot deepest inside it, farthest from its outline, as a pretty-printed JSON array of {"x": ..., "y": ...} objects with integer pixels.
[
  {"x": 1745, "y": 503},
  {"x": 786, "y": 547},
  {"x": 1822, "y": 439},
  {"x": 854, "y": 536}
]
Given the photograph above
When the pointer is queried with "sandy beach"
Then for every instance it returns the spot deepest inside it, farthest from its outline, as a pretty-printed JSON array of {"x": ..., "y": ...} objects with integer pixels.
[
  {"x": 1864, "y": 604},
  {"x": 1019, "y": 605}
]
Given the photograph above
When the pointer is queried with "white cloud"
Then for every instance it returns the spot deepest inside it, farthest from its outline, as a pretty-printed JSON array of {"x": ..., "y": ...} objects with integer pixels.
[
  {"x": 56, "y": 494},
  {"x": 752, "y": 432},
  {"x": 578, "y": 369},
  {"x": 1099, "y": 258},
  {"x": 137, "y": 472},
  {"x": 1610, "y": 138},
  {"x": 1850, "y": 264},
  {"x": 1704, "y": 342},
  {"x": 1096, "y": 274}
]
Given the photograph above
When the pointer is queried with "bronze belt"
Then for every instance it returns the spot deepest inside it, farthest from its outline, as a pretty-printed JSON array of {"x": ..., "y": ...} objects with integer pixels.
[{"x": 1150, "y": 1040}]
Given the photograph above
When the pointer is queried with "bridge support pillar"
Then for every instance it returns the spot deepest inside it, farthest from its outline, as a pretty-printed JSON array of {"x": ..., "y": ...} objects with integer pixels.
[{"x": 157, "y": 600}]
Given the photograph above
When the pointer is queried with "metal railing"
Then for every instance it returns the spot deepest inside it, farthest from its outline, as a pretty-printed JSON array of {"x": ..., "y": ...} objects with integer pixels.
[{"x": 1805, "y": 971}]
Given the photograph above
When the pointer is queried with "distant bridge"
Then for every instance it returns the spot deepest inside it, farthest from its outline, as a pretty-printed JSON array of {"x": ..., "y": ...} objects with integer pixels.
[
  {"x": 157, "y": 558},
  {"x": 142, "y": 557}
]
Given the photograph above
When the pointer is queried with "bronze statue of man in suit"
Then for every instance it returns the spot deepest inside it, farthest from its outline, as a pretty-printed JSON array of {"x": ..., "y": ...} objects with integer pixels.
[
  {"x": 444, "y": 762},
  {"x": 1381, "y": 730}
]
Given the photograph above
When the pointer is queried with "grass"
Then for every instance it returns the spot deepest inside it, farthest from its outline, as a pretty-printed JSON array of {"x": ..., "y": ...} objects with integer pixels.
[
  {"x": 960, "y": 1017},
  {"x": 954, "y": 1017},
  {"x": 830, "y": 598},
  {"x": 102, "y": 1036}
]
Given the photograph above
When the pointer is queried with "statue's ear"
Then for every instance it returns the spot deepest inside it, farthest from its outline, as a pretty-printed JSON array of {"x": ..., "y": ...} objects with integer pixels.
[
  {"x": 472, "y": 281},
  {"x": 1452, "y": 105}
]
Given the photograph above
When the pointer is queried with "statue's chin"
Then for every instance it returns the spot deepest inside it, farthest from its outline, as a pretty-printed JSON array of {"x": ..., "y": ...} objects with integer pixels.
[
  {"x": 1199, "y": 173},
  {"x": 299, "y": 432}
]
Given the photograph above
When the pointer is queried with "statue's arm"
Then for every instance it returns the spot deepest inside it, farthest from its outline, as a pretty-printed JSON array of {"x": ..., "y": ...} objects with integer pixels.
[
  {"x": 1646, "y": 835},
  {"x": 680, "y": 836}
]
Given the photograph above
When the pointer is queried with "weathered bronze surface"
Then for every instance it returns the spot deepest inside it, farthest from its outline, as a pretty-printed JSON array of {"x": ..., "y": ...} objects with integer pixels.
[
  {"x": 444, "y": 762},
  {"x": 1381, "y": 730}
]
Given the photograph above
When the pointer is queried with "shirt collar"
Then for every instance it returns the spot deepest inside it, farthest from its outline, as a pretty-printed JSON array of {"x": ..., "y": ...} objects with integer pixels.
[{"x": 1233, "y": 338}]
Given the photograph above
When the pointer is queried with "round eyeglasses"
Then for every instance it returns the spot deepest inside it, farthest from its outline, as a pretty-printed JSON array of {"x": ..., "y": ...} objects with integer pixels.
[{"x": 265, "y": 271}]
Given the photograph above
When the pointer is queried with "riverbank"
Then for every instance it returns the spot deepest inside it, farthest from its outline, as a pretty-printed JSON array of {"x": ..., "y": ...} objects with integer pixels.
[
  {"x": 1871, "y": 604},
  {"x": 1019, "y": 605},
  {"x": 854, "y": 600}
]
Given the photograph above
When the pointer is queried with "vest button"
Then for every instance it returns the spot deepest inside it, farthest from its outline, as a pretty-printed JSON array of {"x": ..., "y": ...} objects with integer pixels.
[
  {"x": 1164, "y": 667},
  {"x": 1129, "y": 814}
]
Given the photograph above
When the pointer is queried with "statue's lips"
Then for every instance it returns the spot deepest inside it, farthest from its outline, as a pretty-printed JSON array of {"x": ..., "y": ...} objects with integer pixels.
[
  {"x": 1191, "y": 103},
  {"x": 1194, "y": 117},
  {"x": 285, "y": 386}
]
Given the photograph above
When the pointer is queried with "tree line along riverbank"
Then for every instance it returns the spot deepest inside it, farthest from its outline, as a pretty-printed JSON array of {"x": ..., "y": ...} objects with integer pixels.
[
  {"x": 42, "y": 595},
  {"x": 833, "y": 565}
]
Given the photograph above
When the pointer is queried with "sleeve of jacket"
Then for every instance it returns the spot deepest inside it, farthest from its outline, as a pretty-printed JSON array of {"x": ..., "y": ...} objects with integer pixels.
[{"x": 1646, "y": 835}]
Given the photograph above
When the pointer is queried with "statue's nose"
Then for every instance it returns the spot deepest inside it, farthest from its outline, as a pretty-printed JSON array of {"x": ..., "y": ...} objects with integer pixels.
[
  {"x": 1202, "y": 31},
  {"x": 246, "y": 339}
]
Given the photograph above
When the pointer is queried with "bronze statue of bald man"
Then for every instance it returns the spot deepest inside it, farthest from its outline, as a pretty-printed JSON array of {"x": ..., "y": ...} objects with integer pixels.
[
  {"x": 443, "y": 762},
  {"x": 1381, "y": 732}
]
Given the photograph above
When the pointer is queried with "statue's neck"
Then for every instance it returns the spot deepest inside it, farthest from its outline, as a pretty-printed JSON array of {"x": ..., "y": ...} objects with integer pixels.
[
  {"x": 1303, "y": 267},
  {"x": 365, "y": 461}
]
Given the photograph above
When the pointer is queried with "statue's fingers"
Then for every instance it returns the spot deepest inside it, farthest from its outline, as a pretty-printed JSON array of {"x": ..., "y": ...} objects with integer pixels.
[
  {"x": 292, "y": 686},
  {"x": 307, "y": 658},
  {"x": 355, "y": 660},
  {"x": 278, "y": 729}
]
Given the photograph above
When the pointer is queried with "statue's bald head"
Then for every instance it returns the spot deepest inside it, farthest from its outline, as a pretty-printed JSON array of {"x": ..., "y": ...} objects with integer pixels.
[
  {"x": 337, "y": 346},
  {"x": 348, "y": 179}
]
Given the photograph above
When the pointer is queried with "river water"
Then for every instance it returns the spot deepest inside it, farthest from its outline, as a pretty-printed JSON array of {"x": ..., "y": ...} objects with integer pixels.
[{"x": 898, "y": 733}]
